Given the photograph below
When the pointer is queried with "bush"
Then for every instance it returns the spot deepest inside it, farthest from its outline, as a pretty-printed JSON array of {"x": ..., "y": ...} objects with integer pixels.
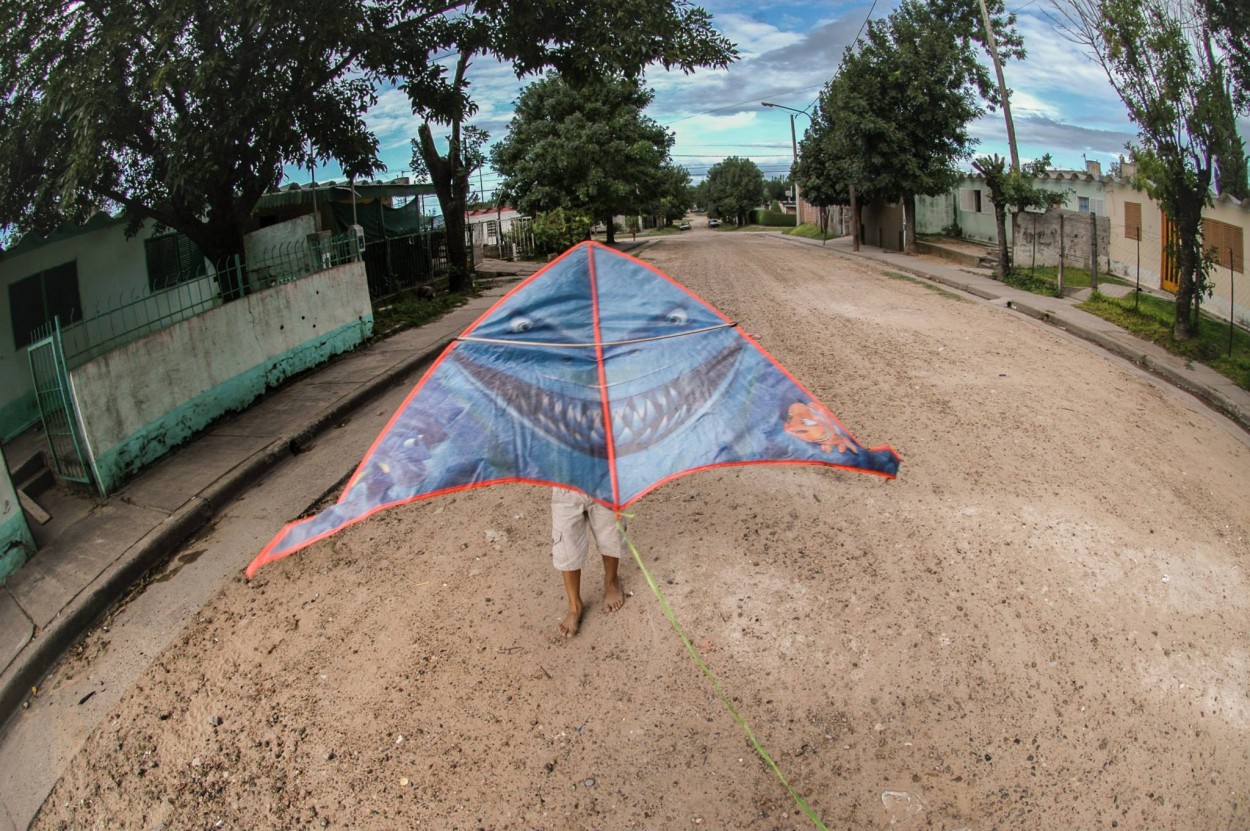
[
  {"x": 558, "y": 230},
  {"x": 774, "y": 219}
]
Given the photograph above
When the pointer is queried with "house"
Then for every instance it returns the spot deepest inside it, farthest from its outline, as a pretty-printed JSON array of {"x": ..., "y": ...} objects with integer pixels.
[
  {"x": 1106, "y": 214},
  {"x": 124, "y": 347},
  {"x": 491, "y": 230}
]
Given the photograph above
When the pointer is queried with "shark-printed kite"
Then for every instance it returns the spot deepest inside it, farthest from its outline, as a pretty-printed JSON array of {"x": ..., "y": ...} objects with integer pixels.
[{"x": 601, "y": 374}]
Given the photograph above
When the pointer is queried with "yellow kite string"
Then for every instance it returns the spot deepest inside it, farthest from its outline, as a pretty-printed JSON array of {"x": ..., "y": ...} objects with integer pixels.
[{"x": 698, "y": 659}]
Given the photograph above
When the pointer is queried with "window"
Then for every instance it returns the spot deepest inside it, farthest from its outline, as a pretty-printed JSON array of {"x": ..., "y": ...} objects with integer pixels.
[
  {"x": 1088, "y": 205},
  {"x": 1225, "y": 243},
  {"x": 173, "y": 259},
  {"x": 35, "y": 300},
  {"x": 1132, "y": 220},
  {"x": 492, "y": 230},
  {"x": 971, "y": 200}
]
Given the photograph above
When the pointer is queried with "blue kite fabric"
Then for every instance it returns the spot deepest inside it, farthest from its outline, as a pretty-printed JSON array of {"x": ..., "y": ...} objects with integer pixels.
[{"x": 600, "y": 374}]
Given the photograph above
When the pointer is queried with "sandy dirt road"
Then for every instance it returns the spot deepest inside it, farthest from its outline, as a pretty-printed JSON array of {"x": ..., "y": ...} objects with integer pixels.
[{"x": 1042, "y": 624}]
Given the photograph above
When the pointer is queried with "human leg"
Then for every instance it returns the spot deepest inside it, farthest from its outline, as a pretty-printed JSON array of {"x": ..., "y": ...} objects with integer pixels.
[
  {"x": 570, "y": 546},
  {"x": 610, "y": 541}
]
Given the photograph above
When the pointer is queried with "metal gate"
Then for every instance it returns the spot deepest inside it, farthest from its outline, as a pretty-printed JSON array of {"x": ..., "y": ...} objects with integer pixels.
[{"x": 56, "y": 407}]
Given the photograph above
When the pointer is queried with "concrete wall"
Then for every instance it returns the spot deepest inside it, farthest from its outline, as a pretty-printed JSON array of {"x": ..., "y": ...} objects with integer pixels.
[
  {"x": 140, "y": 401},
  {"x": 279, "y": 252},
  {"x": 882, "y": 225},
  {"x": 110, "y": 266},
  {"x": 1037, "y": 239},
  {"x": 16, "y": 541}
]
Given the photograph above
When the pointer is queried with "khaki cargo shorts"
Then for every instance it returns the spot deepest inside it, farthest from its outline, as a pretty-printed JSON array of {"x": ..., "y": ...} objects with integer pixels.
[{"x": 574, "y": 517}]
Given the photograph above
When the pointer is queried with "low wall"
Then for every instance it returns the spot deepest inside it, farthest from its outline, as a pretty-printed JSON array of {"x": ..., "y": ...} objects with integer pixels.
[
  {"x": 1079, "y": 229},
  {"x": 16, "y": 541},
  {"x": 140, "y": 401}
]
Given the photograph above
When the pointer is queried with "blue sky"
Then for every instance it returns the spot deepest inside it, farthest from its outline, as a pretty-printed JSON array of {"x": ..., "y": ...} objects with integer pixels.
[{"x": 1062, "y": 103}]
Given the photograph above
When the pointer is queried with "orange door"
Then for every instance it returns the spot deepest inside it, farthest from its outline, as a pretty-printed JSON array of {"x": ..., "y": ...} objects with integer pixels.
[{"x": 1169, "y": 274}]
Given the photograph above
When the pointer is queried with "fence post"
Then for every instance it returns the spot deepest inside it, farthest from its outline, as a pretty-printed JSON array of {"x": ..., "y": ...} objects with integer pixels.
[
  {"x": 1060, "y": 276},
  {"x": 1093, "y": 251},
  {"x": 1137, "y": 293}
]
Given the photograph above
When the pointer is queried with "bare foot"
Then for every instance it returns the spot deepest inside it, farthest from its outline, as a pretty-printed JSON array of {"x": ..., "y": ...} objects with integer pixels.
[
  {"x": 613, "y": 597},
  {"x": 571, "y": 623}
]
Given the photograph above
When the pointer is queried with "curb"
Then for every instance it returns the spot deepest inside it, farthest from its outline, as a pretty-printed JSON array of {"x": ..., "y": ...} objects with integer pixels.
[
  {"x": 1165, "y": 372},
  {"x": 48, "y": 646}
]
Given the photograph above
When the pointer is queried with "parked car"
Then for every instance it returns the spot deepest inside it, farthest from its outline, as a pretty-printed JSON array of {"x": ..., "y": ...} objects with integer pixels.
[
  {"x": 713, "y": 223},
  {"x": 685, "y": 226}
]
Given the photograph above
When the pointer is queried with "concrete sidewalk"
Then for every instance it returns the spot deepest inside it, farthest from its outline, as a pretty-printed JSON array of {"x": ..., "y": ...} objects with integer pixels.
[
  {"x": 1204, "y": 383},
  {"x": 47, "y": 605}
]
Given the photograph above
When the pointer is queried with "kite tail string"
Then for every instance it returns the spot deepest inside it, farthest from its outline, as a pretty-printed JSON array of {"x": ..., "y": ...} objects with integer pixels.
[{"x": 707, "y": 671}]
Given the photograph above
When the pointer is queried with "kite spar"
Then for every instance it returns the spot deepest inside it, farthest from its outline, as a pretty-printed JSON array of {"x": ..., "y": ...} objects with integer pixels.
[{"x": 598, "y": 373}]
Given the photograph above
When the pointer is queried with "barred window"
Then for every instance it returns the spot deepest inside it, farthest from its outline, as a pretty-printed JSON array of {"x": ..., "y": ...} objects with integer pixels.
[{"x": 173, "y": 259}]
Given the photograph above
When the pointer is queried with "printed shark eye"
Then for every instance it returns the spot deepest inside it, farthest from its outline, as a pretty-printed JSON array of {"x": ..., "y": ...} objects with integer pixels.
[
  {"x": 520, "y": 323},
  {"x": 677, "y": 316}
]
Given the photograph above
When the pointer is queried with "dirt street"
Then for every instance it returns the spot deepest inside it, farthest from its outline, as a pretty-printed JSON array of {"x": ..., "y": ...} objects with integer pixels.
[{"x": 1042, "y": 624}]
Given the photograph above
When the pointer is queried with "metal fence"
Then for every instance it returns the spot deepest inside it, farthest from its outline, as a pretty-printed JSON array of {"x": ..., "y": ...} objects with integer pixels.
[
  {"x": 403, "y": 263},
  {"x": 126, "y": 318}
]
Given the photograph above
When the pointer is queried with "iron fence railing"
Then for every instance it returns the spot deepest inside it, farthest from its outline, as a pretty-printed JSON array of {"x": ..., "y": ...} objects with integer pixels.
[
  {"x": 123, "y": 319},
  {"x": 400, "y": 264}
]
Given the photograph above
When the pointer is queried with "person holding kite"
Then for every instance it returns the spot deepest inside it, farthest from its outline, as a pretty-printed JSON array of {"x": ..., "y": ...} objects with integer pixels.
[{"x": 574, "y": 518}]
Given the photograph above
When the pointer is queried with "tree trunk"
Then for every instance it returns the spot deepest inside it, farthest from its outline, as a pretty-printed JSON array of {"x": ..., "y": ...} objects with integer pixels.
[
  {"x": 451, "y": 187},
  {"x": 610, "y": 233},
  {"x": 1004, "y": 257},
  {"x": 1188, "y": 264},
  {"x": 222, "y": 245}
]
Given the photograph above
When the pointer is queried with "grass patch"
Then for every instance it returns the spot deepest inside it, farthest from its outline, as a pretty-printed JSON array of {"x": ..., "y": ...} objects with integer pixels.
[
  {"x": 1152, "y": 319},
  {"x": 931, "y": 286},
  {"x": 407, "y": 311},
  {"x": 1045, "y": 279},
  {"x": 808, "y": 230}
]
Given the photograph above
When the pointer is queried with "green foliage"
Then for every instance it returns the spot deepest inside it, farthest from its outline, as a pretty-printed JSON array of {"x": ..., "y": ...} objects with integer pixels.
[
  {"x": 186, "y": 112},
  {"x": 560, "y": 229},
  {"x": 893, "y": 121},
  {"x": 774, "y": 219},
  {"x": 587, "y": 149},
  {"x": 409, "y": 311},
  {"x": 1152, "y": 318},
  {"x": 807, "y": 230},
  {"x": 1012, "y": 191},
  {"x": 733, "y": 188},
  {"x": 1162, "y": 63},
  {"x": 778, "y": 188}
]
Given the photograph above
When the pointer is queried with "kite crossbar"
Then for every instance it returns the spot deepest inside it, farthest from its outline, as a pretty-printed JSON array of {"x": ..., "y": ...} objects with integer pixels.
[{"x": 511, "y": 342}]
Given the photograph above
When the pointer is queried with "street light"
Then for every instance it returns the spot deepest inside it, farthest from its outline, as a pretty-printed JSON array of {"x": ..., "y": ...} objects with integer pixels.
[{"x": 794, "y": 147}]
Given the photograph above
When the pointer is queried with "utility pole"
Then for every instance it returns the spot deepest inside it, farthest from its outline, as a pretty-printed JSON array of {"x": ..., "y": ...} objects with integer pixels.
[
  {"x": 1002, "y": 87},
  {"x": 794, "y": 149}
]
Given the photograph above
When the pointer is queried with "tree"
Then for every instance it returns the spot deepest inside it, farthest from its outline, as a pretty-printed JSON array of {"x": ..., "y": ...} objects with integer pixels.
[
  {"x": 1230, "y": 26},
  {"x": 450, "y": 176},
  {"x": 587, "y": 149},
  {"x": 675, "y": 194},
  {"x": 1013, "y": 191},
  {"x": 734, "y": 188},
  {"x": 1157, "y": 55},
  {"x": 777, "y": 189},
  {"x": 893, "y": 122},
  {"x": 585, "y": 43},
  {"x": 185, "y": 111}
]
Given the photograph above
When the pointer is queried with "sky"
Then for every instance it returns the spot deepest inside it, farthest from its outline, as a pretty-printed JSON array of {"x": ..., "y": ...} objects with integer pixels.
[{"x": 1061, "y": 103}]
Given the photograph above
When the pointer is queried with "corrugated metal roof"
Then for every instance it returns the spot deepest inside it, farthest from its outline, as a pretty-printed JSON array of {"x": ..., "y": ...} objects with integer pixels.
[{"x": 296, "y": 194}]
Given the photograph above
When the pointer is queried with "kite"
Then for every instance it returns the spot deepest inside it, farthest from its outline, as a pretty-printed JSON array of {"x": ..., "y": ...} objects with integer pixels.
[{"x": 599, "y": 373}]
